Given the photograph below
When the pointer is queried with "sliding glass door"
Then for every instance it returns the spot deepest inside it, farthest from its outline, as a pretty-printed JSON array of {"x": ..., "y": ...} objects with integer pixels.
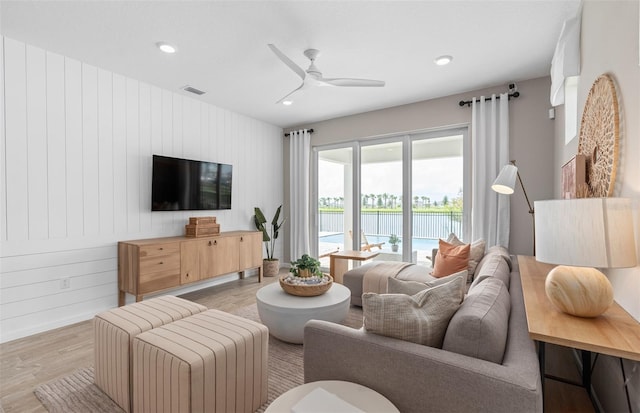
[
  {"x": 436, "y": 192},
  {"x": 381, "y": 192},
  {"x": 334, "y": 201},
  {"x": 396, "y": 196}
]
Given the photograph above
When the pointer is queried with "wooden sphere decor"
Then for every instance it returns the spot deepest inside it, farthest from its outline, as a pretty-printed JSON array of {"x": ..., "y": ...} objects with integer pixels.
[{"x": 579, "y": 291}]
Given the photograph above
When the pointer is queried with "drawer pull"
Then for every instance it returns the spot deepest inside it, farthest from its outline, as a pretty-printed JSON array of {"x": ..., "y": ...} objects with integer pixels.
[
  {"x": 161, "y": 249},
  {"x": 161, "y": 262},
  {"x": 241, "y": 239},
  {"x": 210, "y": 243}
]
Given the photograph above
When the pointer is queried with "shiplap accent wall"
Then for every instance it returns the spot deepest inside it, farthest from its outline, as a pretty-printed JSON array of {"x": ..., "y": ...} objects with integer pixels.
[{"x": 77, "y": 145}]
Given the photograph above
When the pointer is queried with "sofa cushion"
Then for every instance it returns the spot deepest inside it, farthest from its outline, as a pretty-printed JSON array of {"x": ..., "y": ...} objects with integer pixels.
[
  {"x": 479, "y": 328},
  {"x": 421, "y": 318},
  {"x": 475, "y": 254},
  {"x": 496, "y": 249},
  {"x": 495, "y": 266},
  {"x": 397, "y": 286},
  {"x": 450, "y": 259}
]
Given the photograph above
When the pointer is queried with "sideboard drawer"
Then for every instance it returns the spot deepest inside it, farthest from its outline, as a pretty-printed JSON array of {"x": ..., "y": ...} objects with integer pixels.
[
  {"x": 159, "y": 264},
  {"x": 159, "y": 249}
]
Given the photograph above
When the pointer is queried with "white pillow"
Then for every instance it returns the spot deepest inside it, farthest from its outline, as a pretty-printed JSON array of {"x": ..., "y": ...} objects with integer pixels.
[
  {"x": 422, "y": 318},
  {"x": 409, "y": 287}
]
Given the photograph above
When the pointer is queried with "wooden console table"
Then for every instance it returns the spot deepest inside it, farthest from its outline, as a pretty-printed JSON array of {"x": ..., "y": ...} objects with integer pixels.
[
  {"x": 150, "y": 265},
  {"x": 614, "y": 333},
  {"x": 338, "y": 262}
]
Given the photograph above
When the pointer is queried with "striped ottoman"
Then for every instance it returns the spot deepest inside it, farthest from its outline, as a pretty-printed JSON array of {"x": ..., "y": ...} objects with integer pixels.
[
  {"x": 209, "y": 362},
  {"x": 113, "y": 332}
]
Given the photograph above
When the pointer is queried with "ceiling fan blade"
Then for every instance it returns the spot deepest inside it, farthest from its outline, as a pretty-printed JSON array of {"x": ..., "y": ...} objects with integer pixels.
[
  {"x": 299, "y": 71},
  {"x": 353, "y": 82},
  {"x": 292, "y": 92}
]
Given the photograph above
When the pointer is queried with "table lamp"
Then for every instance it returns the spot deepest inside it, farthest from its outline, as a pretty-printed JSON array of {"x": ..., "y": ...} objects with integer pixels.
[{"x": 580, "y": 234}]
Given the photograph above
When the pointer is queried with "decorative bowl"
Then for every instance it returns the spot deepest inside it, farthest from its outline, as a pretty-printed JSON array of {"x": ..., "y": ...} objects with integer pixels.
[{"x": 302, "y": 290}]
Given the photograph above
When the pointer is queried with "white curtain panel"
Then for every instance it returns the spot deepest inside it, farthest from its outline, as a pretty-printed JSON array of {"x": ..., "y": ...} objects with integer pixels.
[
  {"x": 299, "y": 154},
  {"x": 489, "y": 153}
]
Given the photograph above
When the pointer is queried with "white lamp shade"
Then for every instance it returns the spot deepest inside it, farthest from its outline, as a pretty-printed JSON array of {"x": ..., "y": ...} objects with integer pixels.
[
  {"x": 506, "y": 180},
  {"x": 586, "y": 232}
]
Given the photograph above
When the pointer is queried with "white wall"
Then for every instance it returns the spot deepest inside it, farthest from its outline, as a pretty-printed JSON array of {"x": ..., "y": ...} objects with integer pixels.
[
  {"x": 609, "y": 44},
  {"x": 76, "y": 178}
]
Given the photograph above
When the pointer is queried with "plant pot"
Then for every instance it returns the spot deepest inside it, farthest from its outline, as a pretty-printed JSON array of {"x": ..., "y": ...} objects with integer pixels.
[
  {"x": 270, "y": 268},
  {"x": 394, "y": 248},
  {"x": 304, "y": 273}
]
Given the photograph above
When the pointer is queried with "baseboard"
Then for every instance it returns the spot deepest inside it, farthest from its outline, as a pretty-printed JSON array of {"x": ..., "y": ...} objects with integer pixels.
[
  {"x": 41, "y": 328},
  {"x": 88, "y": 315}
]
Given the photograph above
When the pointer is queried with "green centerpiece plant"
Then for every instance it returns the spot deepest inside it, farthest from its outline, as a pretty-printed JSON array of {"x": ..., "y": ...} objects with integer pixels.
[
  {"x": 305, "y": 278},
  {"x": 306, "y": 266},
  {"x": 270, "y": 234}
]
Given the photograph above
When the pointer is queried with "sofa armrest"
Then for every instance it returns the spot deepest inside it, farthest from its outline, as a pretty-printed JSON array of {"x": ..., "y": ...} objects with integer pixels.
[{"x": 415, "y": 378}]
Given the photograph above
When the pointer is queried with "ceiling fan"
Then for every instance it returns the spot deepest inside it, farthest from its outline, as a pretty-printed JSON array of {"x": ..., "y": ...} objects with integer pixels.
[{"x": 313, "y": 77}]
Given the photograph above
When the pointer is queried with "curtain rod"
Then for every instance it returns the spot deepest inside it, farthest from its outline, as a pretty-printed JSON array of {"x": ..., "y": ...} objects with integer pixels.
[
  {"x": 286, "y": 135},
  {"x": 469, "y": 102}
]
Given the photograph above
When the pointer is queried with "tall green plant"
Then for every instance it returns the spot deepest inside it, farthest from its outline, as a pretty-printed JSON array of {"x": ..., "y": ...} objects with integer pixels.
[{"x": 268, "y": 237}]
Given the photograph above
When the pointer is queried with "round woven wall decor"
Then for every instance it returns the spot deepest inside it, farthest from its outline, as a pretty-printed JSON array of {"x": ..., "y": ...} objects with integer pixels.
[{"x": 599, "y": 136}]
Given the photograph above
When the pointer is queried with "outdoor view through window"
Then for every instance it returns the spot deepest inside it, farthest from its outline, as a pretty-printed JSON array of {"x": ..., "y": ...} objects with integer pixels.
[{"x": 435, "y": 197}]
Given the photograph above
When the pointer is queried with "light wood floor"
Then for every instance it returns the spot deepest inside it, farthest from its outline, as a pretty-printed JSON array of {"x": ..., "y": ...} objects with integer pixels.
[{"x": 28, "y": 362}]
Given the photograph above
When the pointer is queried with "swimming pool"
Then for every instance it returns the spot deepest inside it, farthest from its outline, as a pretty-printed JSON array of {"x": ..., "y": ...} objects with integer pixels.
[{"x": 426, "y": 244}]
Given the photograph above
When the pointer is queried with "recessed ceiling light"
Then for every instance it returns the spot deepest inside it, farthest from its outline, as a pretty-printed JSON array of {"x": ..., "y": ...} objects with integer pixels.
[
  {"x": 287, "y": 102},
  {"x": 443, "y": 60},
  {"x": 166, "y": 47}
]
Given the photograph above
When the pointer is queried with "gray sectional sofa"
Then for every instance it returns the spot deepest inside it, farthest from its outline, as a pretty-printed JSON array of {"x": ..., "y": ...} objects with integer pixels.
[{"x": 487, "y": 361}]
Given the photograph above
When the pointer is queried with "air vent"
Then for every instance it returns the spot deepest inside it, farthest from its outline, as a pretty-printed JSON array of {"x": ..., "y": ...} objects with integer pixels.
[{"x": 193, "y": 90}]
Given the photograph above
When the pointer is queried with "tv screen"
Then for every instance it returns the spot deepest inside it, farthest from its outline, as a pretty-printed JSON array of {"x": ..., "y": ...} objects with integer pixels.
[{"x": 188, "y": 185}]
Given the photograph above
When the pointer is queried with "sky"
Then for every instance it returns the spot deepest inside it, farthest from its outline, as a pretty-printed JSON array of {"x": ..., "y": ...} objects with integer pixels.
[{"x": 434, "y": 178}]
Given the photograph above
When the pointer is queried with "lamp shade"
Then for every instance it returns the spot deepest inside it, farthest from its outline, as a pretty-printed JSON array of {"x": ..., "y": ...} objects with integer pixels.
[
  {"x": 585, "y": 232},
  {"x": 506, "y": 180}
]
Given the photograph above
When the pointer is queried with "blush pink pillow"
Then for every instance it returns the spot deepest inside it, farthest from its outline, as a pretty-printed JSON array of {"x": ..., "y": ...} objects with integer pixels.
[{"x": 450, "y": 259}]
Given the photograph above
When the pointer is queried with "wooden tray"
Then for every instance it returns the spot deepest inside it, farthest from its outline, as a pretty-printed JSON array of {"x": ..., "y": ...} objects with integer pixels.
[{"x": 306, "y": 290}]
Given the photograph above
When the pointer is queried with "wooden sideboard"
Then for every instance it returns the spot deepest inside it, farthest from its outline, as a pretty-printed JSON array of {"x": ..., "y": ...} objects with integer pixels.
[{"x": 150, "y": 265}]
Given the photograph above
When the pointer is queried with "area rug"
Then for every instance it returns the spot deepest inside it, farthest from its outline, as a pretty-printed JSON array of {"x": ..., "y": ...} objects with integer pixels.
[{"x": 77, "y": 393}]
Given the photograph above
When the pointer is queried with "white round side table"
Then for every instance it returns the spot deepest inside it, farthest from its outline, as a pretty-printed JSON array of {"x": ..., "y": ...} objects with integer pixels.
[
  {"x": 356, "y": 395},
  {"x": 285, "y": 315}
]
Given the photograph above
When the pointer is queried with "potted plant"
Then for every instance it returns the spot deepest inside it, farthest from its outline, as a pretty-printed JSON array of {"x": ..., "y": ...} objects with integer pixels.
[
  {"x": 270, "y": 265},
  {"x": 394, "y": 241},
  {"x": 306, "y": 266}
]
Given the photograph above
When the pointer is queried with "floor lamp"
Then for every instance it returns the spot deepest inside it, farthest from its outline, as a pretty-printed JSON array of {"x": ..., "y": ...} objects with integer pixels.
[{"x": 505, "y": 183}]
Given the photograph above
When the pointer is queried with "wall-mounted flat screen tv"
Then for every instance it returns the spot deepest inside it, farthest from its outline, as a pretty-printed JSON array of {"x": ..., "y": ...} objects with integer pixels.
[{"x": 189, "y": 185}]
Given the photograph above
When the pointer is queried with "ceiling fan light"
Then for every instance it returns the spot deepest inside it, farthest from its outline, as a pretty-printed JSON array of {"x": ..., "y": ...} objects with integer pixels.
[
  {"x": 287, "y": 102},
  {"x": 443, "y": 60},
  {"x": 166, "y": 47}
]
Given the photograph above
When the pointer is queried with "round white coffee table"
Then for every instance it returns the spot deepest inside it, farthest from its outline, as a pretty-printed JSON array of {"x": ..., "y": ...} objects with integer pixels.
[
  {"x": 285, "y": 315},
  {"x": 356, "y": 395}
]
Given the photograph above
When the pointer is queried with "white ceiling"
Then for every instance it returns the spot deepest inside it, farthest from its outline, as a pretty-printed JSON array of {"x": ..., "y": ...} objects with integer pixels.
[{"x": 222, "y": 47}]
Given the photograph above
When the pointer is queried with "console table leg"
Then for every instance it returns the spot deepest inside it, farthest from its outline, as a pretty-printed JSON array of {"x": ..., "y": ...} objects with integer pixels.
[
  {"x": 586, "y": 371},
  {"x": 121, "y": 298},
  {"x": 541, "y": 360}
]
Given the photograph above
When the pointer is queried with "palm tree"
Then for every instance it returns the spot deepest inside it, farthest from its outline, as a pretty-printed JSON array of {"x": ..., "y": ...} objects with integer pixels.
[
  {"x": 365, "y": 200},
  {"x": 415, "y": 201},
  {"x": 385, "y": 196},
  {"x": 424, "y": 201},
  {"x": 373, "y": 198}
]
